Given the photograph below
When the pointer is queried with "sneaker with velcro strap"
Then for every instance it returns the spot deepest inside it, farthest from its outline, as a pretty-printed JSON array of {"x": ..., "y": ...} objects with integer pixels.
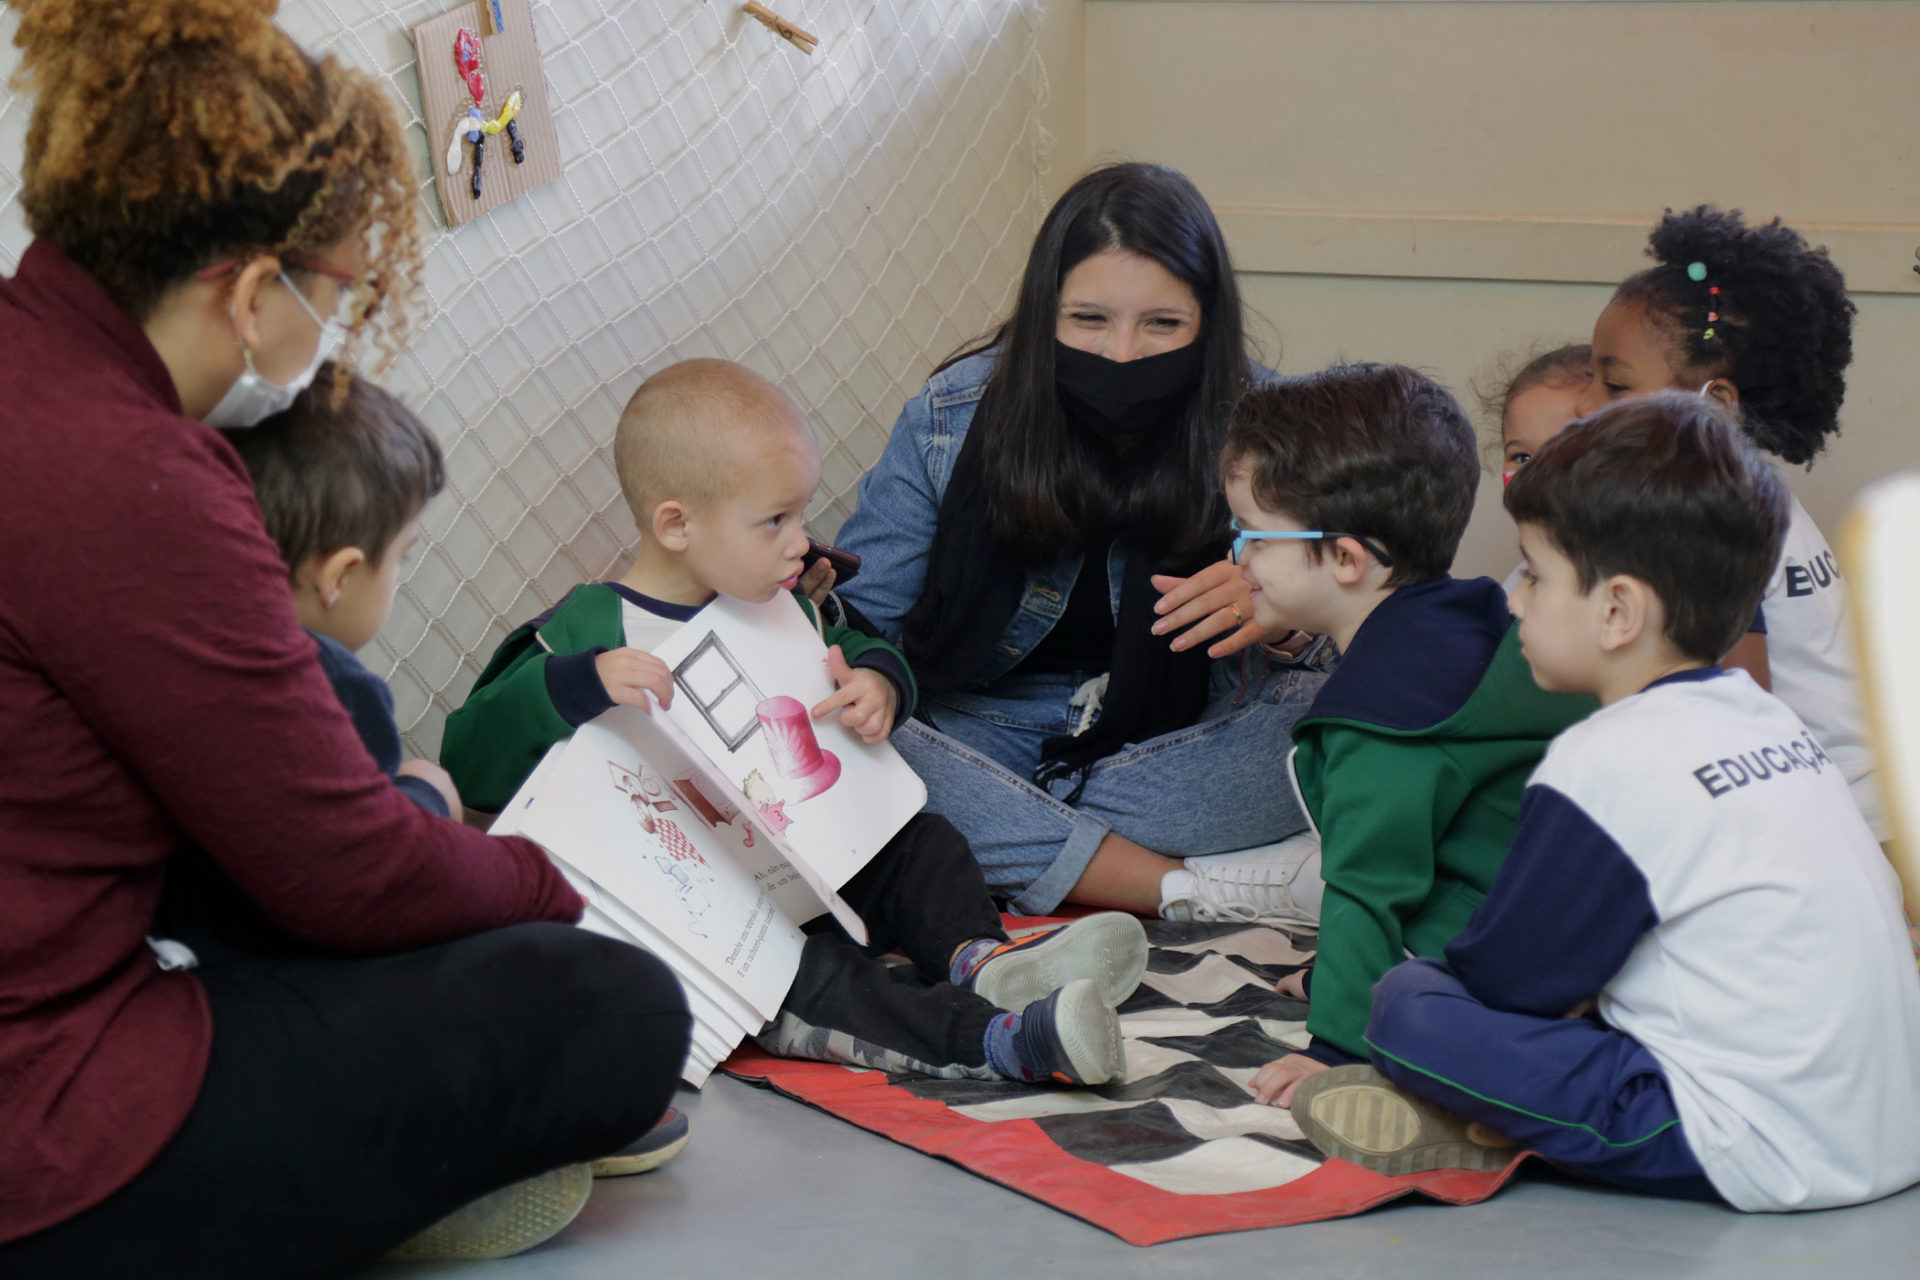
[{"x": 1109, "y": 947}]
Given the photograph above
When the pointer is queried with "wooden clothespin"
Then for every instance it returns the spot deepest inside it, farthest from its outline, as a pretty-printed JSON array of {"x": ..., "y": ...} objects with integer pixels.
[
  {"x": 799, "y": 39},
  {"x": 492, "y": 21}
]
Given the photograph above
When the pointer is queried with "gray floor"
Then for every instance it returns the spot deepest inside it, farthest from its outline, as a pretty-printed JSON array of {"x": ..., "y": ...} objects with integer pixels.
[{"x": 771, "y": 1188}]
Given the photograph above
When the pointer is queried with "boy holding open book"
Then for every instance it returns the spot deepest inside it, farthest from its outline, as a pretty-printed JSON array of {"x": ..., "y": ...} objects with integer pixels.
[{"x": 717, "y": 465}]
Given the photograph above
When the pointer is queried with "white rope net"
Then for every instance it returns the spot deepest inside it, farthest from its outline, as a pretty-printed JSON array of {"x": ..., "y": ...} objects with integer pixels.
[{"x": 837, "y": 222}]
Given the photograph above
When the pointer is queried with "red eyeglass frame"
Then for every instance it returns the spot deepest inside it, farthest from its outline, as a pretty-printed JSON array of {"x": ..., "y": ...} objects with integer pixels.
[{"x": 300, "y": 262}]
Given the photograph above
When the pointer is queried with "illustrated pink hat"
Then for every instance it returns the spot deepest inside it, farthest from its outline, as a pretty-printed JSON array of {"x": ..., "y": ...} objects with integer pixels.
[{"x": 797, "y": 753}]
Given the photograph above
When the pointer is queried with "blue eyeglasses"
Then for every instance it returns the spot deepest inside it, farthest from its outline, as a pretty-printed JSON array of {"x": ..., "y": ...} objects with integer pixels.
[{"x": 1241, "y": 537}]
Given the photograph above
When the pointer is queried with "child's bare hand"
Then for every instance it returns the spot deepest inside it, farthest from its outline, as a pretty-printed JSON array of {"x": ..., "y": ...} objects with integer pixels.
[
  {"x": 817, "y": 581},
  {"x": 1294, "y": 984},
  {"x": 866, "y": 696},
  {"x": 1275, "y": 1082},
  {"x": 439, "y": 779},
  {"x": 630, "y": 675}
]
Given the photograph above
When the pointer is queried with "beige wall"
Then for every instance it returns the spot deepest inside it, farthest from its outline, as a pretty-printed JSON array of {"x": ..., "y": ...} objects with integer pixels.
[{"x": 1446, "y": 183}]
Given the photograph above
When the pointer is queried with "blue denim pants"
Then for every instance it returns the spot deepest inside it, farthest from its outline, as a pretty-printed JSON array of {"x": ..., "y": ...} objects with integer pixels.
[{"x": 1218, "y": 785}]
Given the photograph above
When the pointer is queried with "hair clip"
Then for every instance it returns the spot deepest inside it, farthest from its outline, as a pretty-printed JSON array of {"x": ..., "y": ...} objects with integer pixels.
[{"x": 1697, "y": 272}]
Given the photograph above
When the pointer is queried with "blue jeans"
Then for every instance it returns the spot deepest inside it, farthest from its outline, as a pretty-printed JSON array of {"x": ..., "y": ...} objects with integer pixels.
[
  {"x": 1218, "y": 785},
  {"x": 1582, "y": 1095}
]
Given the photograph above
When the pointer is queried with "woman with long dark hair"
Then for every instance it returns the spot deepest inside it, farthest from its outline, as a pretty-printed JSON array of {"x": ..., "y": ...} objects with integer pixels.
[{"x": 1045, "y": 534}]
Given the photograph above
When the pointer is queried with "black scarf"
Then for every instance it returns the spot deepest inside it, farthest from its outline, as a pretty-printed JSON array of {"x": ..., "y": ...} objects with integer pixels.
[{"x": 972, "y": 589}]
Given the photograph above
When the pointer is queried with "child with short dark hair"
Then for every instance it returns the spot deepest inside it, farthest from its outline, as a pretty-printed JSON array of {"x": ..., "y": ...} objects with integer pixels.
[
  {"x": 1351, "y": 489},
  {"x": 1757, "y": 319},
  {"x": 1691, "y": 977},
  {"x": 718, "y": 466},
  {"x": 341, "y": 483}
]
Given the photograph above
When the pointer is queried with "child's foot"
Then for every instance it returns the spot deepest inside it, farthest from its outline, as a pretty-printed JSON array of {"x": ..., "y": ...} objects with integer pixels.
[
  {"x": 1110, "y": 948},
  {"x": 1069, "y": 1036},
  {"x": 1275, "y": 884},
  {"x": 1354, "y": 1113},
  {"x": 505, "y": 1222},
  {"x": 650, "y": 1150}
]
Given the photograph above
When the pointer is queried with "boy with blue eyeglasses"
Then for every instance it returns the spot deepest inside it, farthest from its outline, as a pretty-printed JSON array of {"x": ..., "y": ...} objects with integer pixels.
[{"x": 1350, "y": 489}]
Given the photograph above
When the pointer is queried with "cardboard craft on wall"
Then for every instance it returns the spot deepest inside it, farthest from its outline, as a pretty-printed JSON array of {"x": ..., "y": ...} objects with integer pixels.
[{"x": 509, "y": 61}]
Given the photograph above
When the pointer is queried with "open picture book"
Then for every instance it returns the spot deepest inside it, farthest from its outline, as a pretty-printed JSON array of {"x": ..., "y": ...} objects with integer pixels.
[{"x": 709, "y": 831}]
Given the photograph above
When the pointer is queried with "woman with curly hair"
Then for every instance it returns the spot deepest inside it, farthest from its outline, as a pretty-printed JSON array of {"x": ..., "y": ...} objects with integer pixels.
[
  {"x": 1758, "y": 319},
  {"x": 212, "y": 210}
]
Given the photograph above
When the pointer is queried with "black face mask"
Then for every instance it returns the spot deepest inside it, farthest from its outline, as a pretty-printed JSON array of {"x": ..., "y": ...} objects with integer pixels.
[{"x": 1115, "y": 398}]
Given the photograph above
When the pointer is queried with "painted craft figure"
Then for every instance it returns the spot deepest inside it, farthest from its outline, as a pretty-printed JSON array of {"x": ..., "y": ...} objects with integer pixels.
[{"x": 474, "y": 126}]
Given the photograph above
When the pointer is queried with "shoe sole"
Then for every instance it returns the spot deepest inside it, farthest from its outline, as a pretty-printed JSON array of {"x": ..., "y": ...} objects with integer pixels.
[
  {"x": 504, "y": 1222},
  {"x": 640, "y": 1162},
  {"x": 1110, "y": 948},
  {"x": 1353, "y": 1113},
  {"x": 1088, "y": 1031}
]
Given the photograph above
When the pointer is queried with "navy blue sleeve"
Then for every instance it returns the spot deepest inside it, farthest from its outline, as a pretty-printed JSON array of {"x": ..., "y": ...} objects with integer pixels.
[
  {"x": 1562, "y": 915},
  {"x": 424, "y": 794},
  {"x": 1759, "y": 626},
  {"x": 1325, "y": 1051},
  {"x": 368, "y": 701},
  {"x": 574, "y": 686}
]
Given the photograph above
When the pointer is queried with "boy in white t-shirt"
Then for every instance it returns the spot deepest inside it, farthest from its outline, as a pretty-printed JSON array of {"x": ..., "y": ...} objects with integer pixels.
[{"x": 1691, "y": 976}]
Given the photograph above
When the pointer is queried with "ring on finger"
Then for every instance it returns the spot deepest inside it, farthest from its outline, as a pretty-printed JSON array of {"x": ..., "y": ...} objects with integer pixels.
[{"x": 1238, "y": 617}]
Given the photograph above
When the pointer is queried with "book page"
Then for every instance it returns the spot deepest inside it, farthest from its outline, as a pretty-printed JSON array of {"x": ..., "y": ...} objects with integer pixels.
[
  {"x": 746, "y": 677},
  {"x": 606, "y": 808},
  {"x": 798, "y": 889}
]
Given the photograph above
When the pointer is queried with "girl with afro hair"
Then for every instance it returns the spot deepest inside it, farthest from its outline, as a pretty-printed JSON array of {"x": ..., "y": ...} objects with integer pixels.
[{"x": 1758, "y": 319}]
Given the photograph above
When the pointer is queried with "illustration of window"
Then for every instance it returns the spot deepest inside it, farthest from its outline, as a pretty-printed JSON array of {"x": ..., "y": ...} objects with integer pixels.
[{"x": 713, "y": 679}]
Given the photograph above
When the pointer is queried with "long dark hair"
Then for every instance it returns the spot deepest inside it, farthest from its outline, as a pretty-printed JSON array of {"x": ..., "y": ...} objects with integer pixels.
[{"x": 1049, "y": 486}]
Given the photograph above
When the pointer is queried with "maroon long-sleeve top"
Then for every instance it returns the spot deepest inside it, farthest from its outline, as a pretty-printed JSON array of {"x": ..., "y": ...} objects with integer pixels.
[{"x": 156, "y": 693}]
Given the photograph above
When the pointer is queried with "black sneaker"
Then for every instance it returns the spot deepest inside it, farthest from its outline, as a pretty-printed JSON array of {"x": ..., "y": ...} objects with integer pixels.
[
  {"x": 1070, "y": 1036},
  {"x": 650, "y": 1150},
  {"x": 1110, "y": 947}
]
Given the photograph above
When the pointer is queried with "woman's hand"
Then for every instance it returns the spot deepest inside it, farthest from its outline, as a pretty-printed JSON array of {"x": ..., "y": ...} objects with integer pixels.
[
  {"x": 816, "y": 582},
  {"x": 1215, "y": 601}
]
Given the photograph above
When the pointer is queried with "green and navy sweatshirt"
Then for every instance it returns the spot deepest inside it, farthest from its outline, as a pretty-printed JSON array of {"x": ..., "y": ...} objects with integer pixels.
[
  {"x": 541, "y": 683},
  {"x": 1410, "y": 763}
]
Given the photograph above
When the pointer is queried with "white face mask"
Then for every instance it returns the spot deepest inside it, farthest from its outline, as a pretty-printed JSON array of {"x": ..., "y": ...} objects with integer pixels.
[{"x": 253, "y": 397}]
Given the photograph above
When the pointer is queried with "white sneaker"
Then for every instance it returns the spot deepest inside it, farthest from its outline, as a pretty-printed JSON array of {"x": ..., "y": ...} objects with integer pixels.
[{"x": 1275, "y": 884}]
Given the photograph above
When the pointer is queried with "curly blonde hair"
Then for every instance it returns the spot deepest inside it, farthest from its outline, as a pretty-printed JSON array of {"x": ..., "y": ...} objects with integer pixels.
[{"x": 168, "y": 135}]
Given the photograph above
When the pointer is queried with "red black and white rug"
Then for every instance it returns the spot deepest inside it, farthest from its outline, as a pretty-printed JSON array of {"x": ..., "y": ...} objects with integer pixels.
[{"x": 1180, "y": 1148}]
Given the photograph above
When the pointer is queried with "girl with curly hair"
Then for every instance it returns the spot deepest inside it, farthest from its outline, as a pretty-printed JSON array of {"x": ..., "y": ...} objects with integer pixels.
[
  {"x": 1758, "y": 319},
  {"x": 212, "y": 209}
]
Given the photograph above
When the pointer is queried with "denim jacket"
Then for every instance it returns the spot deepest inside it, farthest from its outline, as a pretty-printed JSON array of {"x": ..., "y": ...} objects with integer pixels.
[{"x": 891, "y": 528}]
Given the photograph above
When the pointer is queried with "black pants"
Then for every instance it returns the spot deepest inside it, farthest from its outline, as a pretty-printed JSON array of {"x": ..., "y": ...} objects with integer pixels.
[
  {"x": 922, "y": 895},
  {"x": 348, "y": 1103}
]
